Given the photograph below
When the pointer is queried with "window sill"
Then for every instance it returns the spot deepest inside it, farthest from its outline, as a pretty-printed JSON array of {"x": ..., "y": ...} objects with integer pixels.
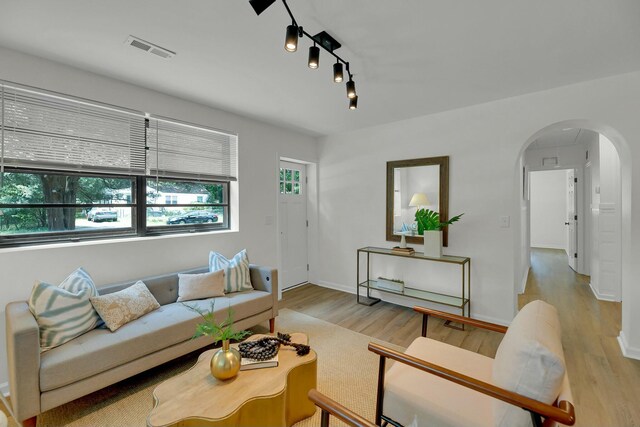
[{"x": 112, "y": 241}]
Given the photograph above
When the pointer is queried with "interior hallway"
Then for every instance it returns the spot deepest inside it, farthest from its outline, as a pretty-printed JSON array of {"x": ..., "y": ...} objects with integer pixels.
[{"x": 606, "y": 385}]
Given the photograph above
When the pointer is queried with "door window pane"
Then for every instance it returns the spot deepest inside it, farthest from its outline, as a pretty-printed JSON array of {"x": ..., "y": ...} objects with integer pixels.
[
  {"x": 296, "y": 175},
  {"x": 289, "y": 187},
  {"x": 296, "y": 188}
]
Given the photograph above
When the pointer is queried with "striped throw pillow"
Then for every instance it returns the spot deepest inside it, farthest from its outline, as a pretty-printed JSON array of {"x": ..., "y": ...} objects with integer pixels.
[
  {"x": 236, "y": 271},
  {"x": 64, "y": 312}
]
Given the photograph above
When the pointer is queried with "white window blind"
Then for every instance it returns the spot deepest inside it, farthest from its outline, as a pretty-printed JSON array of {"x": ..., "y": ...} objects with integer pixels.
[
  {"x": 46, "y": 131},
  {"x": 178, "y": 150}
]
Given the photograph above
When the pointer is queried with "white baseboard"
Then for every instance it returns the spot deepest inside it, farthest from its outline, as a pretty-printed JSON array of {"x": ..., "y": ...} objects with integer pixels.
[
  {"x": 4, "y": 389},
  {"x": 523, "y": 284},
  {"x": 602, "y": 297},
  {"x": 548, "y": 246},
  {"x": 627, "y": 350},
  {"x": 491, "y": 320},
  {"x": 336, "y": 286}
]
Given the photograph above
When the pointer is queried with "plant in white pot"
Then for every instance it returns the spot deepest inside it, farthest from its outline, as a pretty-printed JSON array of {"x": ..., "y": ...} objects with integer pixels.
[{"x": 430, "y": 227}]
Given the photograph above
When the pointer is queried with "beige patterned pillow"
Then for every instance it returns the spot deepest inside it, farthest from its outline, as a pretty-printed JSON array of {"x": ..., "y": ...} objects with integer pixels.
[{"x": 119, "y": 308}]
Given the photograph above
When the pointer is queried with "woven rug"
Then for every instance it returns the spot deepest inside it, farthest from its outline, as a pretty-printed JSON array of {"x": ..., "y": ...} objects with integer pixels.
[{"x": 347, "y": 372}]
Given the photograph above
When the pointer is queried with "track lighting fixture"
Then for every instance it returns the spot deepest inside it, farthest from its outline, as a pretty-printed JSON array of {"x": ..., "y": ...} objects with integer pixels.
[
  {"x": 321, "y": 40},
  {"x": 353, "y": 103},
  {"x": 261, "y": 5},
  {"x": 351, "y": 88},
  {"x": 314, "y": 56},
  {"x": 291, "y": 41},
  {"x": 337, "y": 72}
]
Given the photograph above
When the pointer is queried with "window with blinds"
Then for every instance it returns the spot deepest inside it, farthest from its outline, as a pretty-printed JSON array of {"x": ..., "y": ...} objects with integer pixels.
[
  {"x": 74, "y": 169},
  {"x": 46, "y": 131},
  {"x": 178, "y": 150}
]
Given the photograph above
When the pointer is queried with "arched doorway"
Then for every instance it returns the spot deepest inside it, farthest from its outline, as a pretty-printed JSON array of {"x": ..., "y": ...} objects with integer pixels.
[{"x": 521, "y": 257}]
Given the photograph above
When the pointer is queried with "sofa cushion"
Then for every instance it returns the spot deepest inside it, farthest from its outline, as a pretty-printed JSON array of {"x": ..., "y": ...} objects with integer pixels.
[
  {"x": 64, "y": 312},
  {"x": 243, "y": 304},
  {"x": 417, "y": 398},
  {"x": 164, "y": 287},
  {"x": 529, "y": 361},
  {"x": 100, "y": 349},
  {"x": 200, "y": 286},
  {"x": 119, "y": 308},
  {"x": 237, "y": 275}
]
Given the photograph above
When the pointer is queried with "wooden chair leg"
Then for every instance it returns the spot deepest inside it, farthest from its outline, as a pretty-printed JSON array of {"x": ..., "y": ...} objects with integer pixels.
[
  {"x": 272, "y": 325},
  {"x": 380, "y": 390},
  {"x": 29, "y": 422}
]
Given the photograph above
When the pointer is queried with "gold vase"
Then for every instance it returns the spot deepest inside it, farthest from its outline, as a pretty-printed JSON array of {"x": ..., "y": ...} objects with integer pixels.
[{"x": 225, "y": 363}]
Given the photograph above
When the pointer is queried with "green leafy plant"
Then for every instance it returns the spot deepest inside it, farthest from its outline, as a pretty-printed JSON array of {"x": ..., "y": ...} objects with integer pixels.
[
  {"x": 429, "y": 220},
  {"x": 219, "y": 331}
]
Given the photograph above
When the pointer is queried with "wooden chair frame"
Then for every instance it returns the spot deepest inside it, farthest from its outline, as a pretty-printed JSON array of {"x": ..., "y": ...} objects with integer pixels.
[{"x": 563, "y": 413}]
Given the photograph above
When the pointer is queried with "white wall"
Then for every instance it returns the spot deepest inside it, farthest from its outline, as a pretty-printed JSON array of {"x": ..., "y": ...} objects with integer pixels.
[
  {"x": 607, "y": 283},
  {"x": 260, "y": 146},
  {"x": 485, "y": 143},
  {"x": 548, "y": 198}
]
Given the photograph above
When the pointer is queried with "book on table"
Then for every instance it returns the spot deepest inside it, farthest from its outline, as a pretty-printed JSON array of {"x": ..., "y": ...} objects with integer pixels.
[{"x": 247, "y": 364}]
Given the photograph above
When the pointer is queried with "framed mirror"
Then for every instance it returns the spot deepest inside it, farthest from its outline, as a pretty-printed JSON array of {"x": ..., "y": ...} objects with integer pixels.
[{"x": 414, "y": 184}]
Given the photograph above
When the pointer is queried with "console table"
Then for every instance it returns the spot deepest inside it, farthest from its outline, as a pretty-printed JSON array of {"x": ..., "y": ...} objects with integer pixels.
[{"x": 461, "y": 301}]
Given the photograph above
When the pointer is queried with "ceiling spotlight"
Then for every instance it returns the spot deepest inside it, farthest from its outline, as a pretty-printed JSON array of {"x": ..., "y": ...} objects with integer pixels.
[
  {"x": 337, "y": 72},
  {"x": 261, "y": 5},
  {"x": 353, "y": 103},
  {"x": 351, "y": 89},
  {"x": 291, "y": 41},
  {"x": 314, "y": 56},
  {"x": 321, "y": 40}
]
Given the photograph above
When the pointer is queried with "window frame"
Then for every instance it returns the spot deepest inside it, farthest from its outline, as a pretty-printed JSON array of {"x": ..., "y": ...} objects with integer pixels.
[
  {"x": 24, "y": 239},
  {"x": 138, "y": 205},
  {"x": 187, "y": 228}
]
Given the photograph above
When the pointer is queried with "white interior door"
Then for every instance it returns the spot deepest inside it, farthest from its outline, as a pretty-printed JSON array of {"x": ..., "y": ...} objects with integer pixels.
[
  {"x": 572, "y": 222},
  {"x": 293, "y": 224}
]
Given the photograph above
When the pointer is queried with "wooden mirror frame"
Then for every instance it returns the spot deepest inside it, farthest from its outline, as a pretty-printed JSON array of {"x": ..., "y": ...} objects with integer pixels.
[{"x": 443, "y": 162}]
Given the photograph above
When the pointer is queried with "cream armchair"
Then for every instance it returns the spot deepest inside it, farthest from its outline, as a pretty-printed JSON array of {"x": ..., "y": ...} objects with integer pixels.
[{"x": 436, "y": 384}]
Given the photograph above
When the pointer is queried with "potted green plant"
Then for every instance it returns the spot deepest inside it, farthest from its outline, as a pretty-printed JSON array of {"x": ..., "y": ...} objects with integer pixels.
[
  {"x": 225, "y": 363},
  {"x": 430, "y": 227}
]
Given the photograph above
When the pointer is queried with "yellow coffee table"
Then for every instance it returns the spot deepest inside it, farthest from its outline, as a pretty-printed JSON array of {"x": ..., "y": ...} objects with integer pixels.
[{"x": 268, "y": 397}]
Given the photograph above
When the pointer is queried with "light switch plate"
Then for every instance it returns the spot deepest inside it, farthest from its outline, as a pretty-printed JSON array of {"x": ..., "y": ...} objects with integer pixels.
[
  {"x": 268, "y": 220},
  {"x": 505, "y": 221}
]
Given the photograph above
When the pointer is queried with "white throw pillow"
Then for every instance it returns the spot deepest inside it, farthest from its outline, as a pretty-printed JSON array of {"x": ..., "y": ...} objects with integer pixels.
[
  {"x": 529, "y": 361},
  {"x": 237, "y": 275},
  {"x": 64, "y": 312},
  {"x": 119, "y": 308},
  {"x": 200, "y": 286}
]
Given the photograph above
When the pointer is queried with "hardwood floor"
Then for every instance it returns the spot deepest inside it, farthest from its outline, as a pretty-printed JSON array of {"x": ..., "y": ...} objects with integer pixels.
[{"x": 606, "y": 385}]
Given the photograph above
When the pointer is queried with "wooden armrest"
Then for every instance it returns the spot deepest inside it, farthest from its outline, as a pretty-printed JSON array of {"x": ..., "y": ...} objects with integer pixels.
[
  {"x": 563, "y": 414},
  {"x": 337, "y": 410},
  {"x": 461, "y": 319}
]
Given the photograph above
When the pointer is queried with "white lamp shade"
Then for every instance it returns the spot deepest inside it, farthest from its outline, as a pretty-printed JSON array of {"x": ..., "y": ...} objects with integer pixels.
[{"x": 419, "y": 199}]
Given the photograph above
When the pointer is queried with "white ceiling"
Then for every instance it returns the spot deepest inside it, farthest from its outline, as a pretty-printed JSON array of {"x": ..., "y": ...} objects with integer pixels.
[
  {"x": 410, "y": 57},
  {"x": 558, "y": 138}
]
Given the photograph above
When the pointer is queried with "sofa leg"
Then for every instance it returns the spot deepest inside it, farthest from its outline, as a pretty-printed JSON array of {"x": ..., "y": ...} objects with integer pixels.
[
  {"x": 272, "y": 325},
  {"x": 30, "y": 422}
]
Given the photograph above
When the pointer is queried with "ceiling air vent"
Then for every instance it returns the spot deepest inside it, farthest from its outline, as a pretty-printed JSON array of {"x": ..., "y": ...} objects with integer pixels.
[{"x": 150, "y": 48}]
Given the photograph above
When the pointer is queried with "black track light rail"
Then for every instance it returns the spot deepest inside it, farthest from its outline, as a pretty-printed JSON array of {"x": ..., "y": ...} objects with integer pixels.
[{"x": 316, "y": 42}]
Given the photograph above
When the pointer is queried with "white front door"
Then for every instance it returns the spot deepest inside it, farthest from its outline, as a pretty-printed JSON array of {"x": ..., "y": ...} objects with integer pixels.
[
  {"x": 293, "y": 224},
  {"x": 572, "y": 222}
]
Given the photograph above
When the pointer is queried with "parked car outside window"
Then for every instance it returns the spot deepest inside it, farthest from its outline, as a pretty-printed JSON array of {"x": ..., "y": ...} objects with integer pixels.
[
  {"x": 102, "y": 215},
  {"x": 195, "y": 217}
]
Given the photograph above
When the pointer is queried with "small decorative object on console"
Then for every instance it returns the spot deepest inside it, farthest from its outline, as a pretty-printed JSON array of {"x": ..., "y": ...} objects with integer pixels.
[
  {"x": 391, "y": 284},
  {"x": 403, "y": 251}
]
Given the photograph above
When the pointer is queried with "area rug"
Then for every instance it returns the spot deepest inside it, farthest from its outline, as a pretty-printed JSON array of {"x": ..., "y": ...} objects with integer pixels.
[{"x": 347, "y": 372}]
